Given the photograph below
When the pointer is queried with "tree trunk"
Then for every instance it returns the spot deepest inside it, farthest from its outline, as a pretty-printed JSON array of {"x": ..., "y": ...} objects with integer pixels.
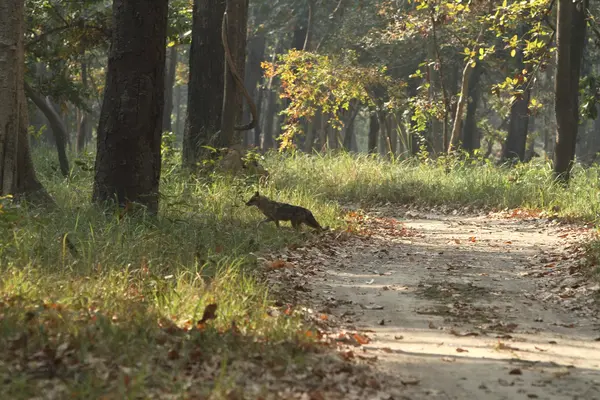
[
  {"x": 570, "y": 39},
  {"x": 460, "y": 106},
  {"x": 206, "y": 80},
  {"x": 349, "y": 127},
  {"x": 16, "y": 168},
  {"x": 237, "y": 20},
  {"x": 84, "y": 131},
  {"x": 57, "y": 126},
  {"x": 256, "y": 55},
  {"x": 470, "y": 134},
  {"x": 129, "y": 133},
  {"x": 309, "y": 25},
  {"x": 257, "y": 128},
  {"x": 171, "y": 69},
  {"x": 177, "y": 106},
  {"x": 373, "y": 133},
  {"x": 516, "y": 140},
  {"x": 271, "y": 98}
]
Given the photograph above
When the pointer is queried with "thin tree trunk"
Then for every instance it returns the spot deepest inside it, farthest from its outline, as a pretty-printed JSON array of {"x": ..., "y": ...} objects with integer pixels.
[
  {"x": 128, "y": 159},
  {"x": 56, "y": 125},
  {"x": 171, "y": 68},
  {"x": 236, "y": 22},
  {"x": 373, "y": 133},
  {"x": 177, "y": 105},
  {"x": 256, "y": 55},
  {"x": 516, "y": 140},
  {"x": 271, "y": 98},
  {"x": 84, "y": 131},
  {"x": 349, "y": 127}
]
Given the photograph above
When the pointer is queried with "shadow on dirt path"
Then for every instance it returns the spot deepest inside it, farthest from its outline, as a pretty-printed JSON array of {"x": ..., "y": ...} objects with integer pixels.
[{"x": 462, "y": 308}]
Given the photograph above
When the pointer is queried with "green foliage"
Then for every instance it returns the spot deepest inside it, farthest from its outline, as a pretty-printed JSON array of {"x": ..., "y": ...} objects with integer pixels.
[{"x": 314, "y": 82}]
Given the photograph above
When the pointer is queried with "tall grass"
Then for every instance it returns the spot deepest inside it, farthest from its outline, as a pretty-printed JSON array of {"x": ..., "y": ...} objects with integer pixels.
[{"x": 372, "y": 179}]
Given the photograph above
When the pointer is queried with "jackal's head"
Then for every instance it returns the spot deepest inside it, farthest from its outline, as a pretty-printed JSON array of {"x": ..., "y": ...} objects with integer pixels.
[{"x": 254, "y": 200}]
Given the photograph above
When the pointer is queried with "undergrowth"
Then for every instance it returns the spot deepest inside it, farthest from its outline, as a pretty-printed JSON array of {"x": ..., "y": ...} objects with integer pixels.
[
  {"x": 113, "y": 319},
  {"x": 454, "y": 182}
]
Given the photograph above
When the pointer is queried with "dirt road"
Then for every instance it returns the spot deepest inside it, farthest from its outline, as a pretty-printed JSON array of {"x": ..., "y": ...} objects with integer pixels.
[{"x": 463, "y": 307}]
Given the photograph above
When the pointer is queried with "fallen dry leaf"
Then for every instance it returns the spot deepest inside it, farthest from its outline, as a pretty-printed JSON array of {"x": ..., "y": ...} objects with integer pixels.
[{"x": 361, "y": 339}]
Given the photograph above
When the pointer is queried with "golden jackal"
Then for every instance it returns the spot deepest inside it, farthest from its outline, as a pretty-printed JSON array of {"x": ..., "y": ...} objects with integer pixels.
[{"x": 276, "y": 212}]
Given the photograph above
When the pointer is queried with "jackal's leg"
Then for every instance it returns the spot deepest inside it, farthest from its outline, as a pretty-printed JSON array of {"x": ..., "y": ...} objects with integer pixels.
[{"x": 296, "y": 224}]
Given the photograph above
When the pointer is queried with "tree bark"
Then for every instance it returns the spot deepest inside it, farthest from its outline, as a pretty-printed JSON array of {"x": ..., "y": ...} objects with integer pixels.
[
  {"x": 171, "y": 68},
  {"x": 349, "y": 127},
  {"x": 16, "y": 168},
  {"x": 236, "y": 22},
  {"x": 272, "y": 89},
  {"x": 256, "y": 55},
  {"x": 206, "y": 80},
  {"x": 470, "y": 134},
  {"x": 516, "y": 140},
  {"x": 57, "y": 126},
  {"x": 373, "y": 133},
  {"x": 84, "y": 131},
  {"x": 128, "y": 158},
  {"x": 570, "y": 39}
]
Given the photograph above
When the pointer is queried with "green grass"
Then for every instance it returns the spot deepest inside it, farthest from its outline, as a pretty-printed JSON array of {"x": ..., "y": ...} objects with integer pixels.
[
  {"x": 109, "y": 321},
  {"x": 372, "y": 180},
  {"x": 111, "y": 312}
]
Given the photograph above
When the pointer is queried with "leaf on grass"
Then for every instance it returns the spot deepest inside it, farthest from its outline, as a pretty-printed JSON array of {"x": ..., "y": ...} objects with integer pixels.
[
  {"x": 461, "y": 350},
  {"x": 472, "y": 239}
]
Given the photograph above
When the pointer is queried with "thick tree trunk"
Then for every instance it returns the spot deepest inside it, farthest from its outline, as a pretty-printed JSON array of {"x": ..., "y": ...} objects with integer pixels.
[
  {"x": 373, "y": 133},
  {"x": 237, "y": 20},
  {"x": 128, "y": 159},
  {"x": 470, "y": 135},
  {"x": 171, "y": 68},
  {"x": 206, "y": 80},
  {"x": 17, "y": 176},
  {"x": 570, "y": 39},
  {"x": 57, "y": 126}
]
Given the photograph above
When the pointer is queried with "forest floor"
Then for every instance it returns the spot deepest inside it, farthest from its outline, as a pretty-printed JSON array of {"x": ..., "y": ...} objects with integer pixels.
[{"x": 442, "y": 306}]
